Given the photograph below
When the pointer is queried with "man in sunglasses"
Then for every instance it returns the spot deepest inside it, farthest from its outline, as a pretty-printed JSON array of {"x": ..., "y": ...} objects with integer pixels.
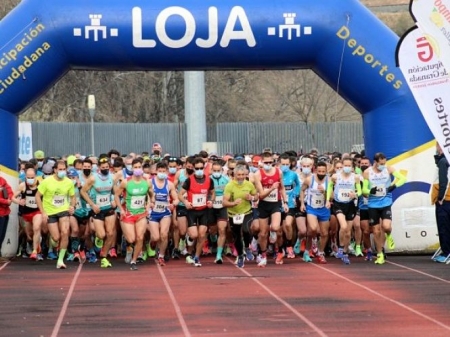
[
  {"x": 197, "y": 194},
  {"x": 272, "y": 195}
]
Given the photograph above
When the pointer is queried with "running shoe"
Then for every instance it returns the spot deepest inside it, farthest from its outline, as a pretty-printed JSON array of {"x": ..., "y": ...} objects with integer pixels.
[
  {"x": 358, "y": 251},
  {"x": 29, "y": 248},
  {"x": 297, "y": 247},
  {"x": 240, "y": 261},
  {"x": 105, "y": 263},
  {"x": 76, "y": 257},
  {"x": 369, "y": 255},
  {"x": 197, "y": 262},
  {"x": 218, "y": 260},
  {"x": 321, "y": 259},
  {"x": 339, "y": 254},
  {"x": 82, "y": 256},
  {"x": 345, "y": 259},
  {"x": 258, "y": 258},
  {"x": 175, "y": 254},
  {"x": 233, "y": 249},
  {"x": 189, "y": 259},
  {"x": 140, "y": 258},
  {"x": 133, "y": 266},
  {"x": 39, "y": 257},
  {"x": 290, "y": 253},
  {"x": 351, "y": 249},
  {"x": 129, "y": 255},
  {"x": 205, "y": 249},
  {"x": 306, "y": 257},
  {"x": 112, "y": 252},
  {"x": 380, "y": 259},
  {"x": 279, "y": 259},
  {"x": 228, "y": 251},
  {"x": 92, "y": 258},
  {"x": 184, "y": 252},
  {"x": 33, "y": 255},
  {"x": 390, "y": 241},
  {"x": 70, "y": 257},
  {"x": 440, "y": 259},
  {"x": 60, "y": 265},
  {"x": 151, "y": 252},
  {"x": 161, "y": 261},
  {"x": 273, "y": 237},
  {"x": 263, "y": 262},
  {"x": 249, "y": 255},
  {"x": 181, "y": 245}
]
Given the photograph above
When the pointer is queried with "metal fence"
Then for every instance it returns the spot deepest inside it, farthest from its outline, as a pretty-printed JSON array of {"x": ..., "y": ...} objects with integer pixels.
[{"x": 66, "y": 138}]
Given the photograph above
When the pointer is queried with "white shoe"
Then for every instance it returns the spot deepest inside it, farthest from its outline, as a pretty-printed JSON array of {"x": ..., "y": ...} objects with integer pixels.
[{"x": 263, "y": 262}]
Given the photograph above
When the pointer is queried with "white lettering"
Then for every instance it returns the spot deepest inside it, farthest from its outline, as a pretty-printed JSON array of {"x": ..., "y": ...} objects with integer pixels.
[
  {"x": 213, "y": 30},
  {"x": 245, "y": 34},
  {"x": 161, "y": 27},
  {"x": 138, "y": 41}
]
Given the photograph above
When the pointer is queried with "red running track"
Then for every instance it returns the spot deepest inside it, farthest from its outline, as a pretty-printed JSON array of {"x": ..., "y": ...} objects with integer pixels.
[{"x": 408, "y": 296}]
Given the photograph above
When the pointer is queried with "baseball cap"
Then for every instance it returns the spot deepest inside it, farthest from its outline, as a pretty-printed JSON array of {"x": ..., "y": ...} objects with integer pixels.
[
  {"x": 39, "y": 154},
  {"x": 72, "y": 173},
  {"x": 157, "y": 145},
  {"x": 70, "y": 160},
  {"x": 48, "y": 168},
  {"x": 267, "y": 149}
]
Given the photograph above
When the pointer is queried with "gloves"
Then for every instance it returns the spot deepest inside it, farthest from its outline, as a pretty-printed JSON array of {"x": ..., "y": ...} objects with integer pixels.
[
  {"x": 391, "y": 188},
  {"x": 373, "y": 190}
]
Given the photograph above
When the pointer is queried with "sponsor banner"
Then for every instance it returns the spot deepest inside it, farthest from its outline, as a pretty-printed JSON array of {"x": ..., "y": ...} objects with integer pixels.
[
  {"x": 429, "y": 83},
  {"x": 25, "y": 141}
]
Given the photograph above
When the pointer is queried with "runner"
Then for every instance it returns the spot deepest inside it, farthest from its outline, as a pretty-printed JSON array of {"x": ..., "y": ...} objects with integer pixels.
[{"x": 52, "y": 200}]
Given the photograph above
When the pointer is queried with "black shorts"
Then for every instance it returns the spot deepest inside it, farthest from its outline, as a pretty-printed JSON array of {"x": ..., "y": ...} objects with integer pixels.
[
  {"x": 217, "y": 214},
  {"x": 363, "y": 214},
  {"x": 199, "y": 218},
  {"x": 103, "y": 214},
  {"x": 55, "y": 217},
  {"x": 385, "y": 213},
  {"x": 266, "y": 209},
  {"x": 348, "y": 209},
  {"x": 81, "y": 221},
  {"x": 181, "y": 211},
  {"x": 255, "y": 213},
  {"x": 293, "y": 212}
]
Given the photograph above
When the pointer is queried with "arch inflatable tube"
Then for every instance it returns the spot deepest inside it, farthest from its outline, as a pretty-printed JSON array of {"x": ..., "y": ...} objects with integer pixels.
[{"x": 342, "y": 42}]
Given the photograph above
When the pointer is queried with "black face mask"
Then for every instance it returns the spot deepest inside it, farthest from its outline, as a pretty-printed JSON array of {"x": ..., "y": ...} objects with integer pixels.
[
  {"x": 86, "y": 172},
  {"x": 363, "y": 168},
  {"x": 189, "y": 171},
  {"x": 104, "y": 172},
  {"x": 321, "y": 176}
]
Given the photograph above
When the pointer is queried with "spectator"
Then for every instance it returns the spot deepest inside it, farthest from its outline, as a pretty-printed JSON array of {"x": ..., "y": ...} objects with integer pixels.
[{"x": 6, "y": 195}]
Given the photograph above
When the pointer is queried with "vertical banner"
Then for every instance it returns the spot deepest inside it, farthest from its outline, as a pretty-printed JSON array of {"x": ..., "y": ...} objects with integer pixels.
[{"x": 25, "y": 141}]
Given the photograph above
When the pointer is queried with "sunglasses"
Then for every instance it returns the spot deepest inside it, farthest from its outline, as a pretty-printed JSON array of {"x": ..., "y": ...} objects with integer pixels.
[
  {"x": 199, "y": 168},
  {"x": 268, "y": 162},
  {"x": 103, "y": 160}
]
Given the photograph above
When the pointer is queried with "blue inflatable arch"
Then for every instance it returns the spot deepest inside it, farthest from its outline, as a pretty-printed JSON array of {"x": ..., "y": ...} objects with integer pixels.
[{"x": 41, "y": 40}]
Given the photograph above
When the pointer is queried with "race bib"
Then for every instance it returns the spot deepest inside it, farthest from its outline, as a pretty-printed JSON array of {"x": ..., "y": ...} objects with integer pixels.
[
  {"x": 160, "y": 206},
  {"x": 218, "y": 202},
  {"x": 381, "y": 191},
  {"x": 365, "y": 201},
  {"x": 238, "y": 219},
  {"x": 78, "y": 204},
  {"x": 103, "y": 200},
  {"x": 30, "y": 202},
  {"x": 344, "y": 194},
  {"x": 317, "y": 200},
  {"x": 198, "y": 200},
  {"x": 272, "y": 197},
  {"x": 137, "y": 202},
  {"x": 58, "y": 200}
]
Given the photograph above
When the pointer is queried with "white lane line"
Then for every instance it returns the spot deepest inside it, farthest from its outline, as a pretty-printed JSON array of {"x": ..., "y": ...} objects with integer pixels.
[
  {"x": 4, "y": 265},
  {"x": 418, "y": 271},
  {"x": 66, "y": 303},
  {"x": 286, "y": 304},
  {"x": 404, "y": 306},
  {"x": 174, "y": 303}
]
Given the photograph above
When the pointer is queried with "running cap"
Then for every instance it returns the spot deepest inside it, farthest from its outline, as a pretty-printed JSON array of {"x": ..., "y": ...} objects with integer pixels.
[
  {"x": 72, "y": 173},
  {"x": 39, "y": 154}
]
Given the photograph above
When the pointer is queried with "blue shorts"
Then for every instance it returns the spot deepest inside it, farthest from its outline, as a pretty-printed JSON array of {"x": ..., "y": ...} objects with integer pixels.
[
  {"x": 322, "y": 214},
  {"x": 157, "y": 216}
]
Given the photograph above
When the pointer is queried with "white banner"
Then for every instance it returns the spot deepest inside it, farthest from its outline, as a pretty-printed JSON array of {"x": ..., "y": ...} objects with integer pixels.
[
  {"x": 25, "y": 141},
  {"x": 429, "y": 83}
]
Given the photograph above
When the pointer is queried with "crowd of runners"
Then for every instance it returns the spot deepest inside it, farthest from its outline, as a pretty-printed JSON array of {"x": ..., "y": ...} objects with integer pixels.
[{"x": 255, "y": 207}]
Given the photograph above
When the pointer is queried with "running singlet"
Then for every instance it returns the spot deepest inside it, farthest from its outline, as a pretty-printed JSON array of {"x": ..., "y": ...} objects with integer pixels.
[
  {"x": 292, "y": 186},
  {"x": 381, "y": 181},
  {"x": 161, "y": 197},
  {"x": 55, "y": 194},
  {"x": 219, "y": 186},
  {"x": 81, "y": 210},
  {"x": 135, "y": 196},
  {"x": 197, "y": 194},
  {"x": 102, "y": 191},
  {"x": 267, "y": 182},
  {"x": 316, "y": 197},
  {"x": 30, "y": 200},
  {"x": 343, "y": 188}
]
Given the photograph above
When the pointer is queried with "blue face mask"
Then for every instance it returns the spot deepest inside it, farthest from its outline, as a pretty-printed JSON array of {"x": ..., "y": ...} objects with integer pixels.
[
  {"x": 306, "y": 170},
  {"x": 253, "y": 169},
  {"x": 30, "y": 181},
  {"x": 284, "y": 168},
  {"x": 267, "y": 167},
  {"x": 347, "y": 169},
  {"x": 217, "y": 175},
  {"x": 161, "y": 175},
  {"x": 172, "y": 170},
  {"x": 199, "y": 173},
  {"x": 61, "y": 174},
  {"x": 381, "y": 167},
  {"x": 129, "y": 168}
]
